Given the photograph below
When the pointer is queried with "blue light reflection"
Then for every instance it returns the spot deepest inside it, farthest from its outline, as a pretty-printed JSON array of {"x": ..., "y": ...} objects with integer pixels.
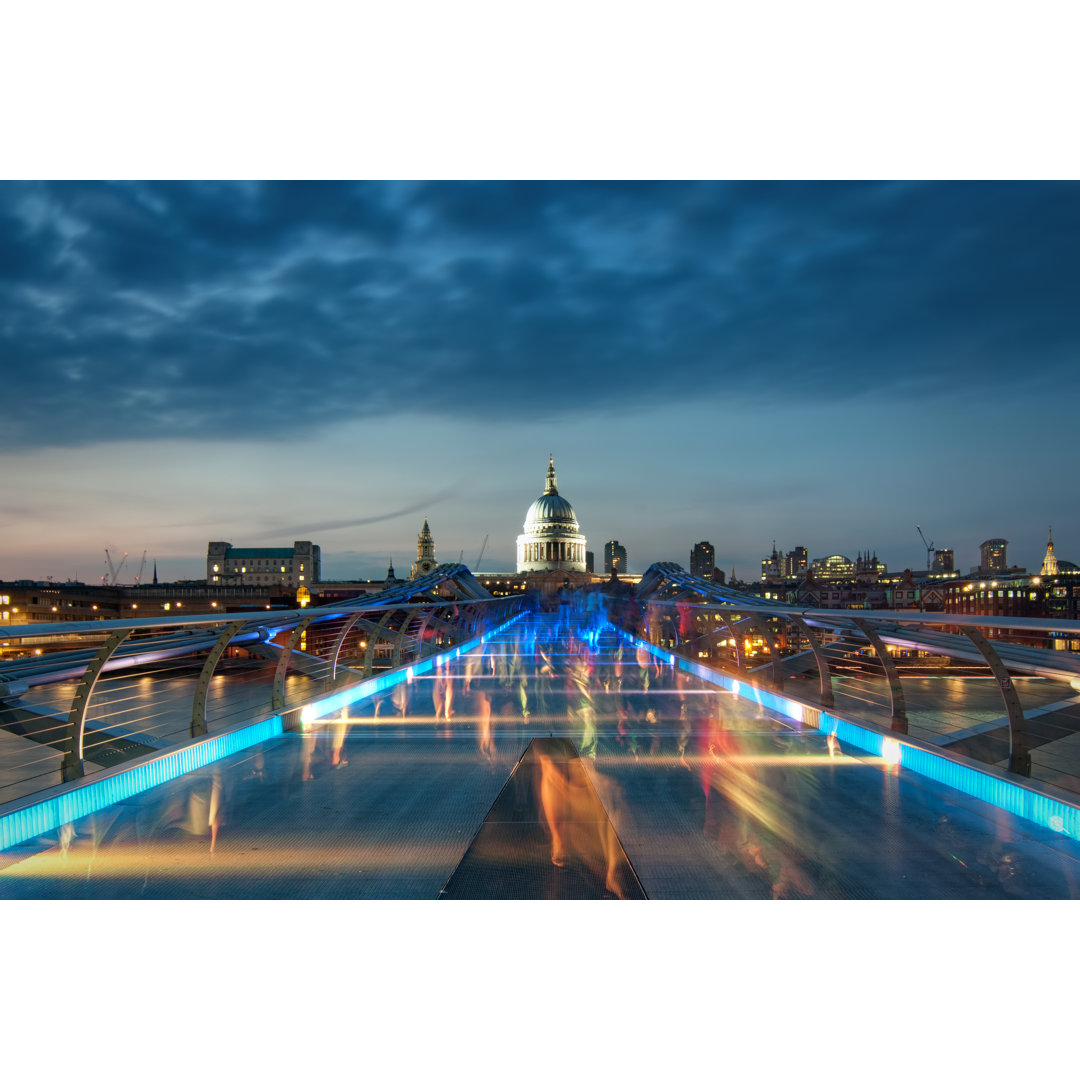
[
  {"x": 39, "y": 814},
  {"x": 1000, "y": 791}
]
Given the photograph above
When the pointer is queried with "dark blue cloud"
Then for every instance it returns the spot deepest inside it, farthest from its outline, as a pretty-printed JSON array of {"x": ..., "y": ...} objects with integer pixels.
[{"x": 140, "y": 310}]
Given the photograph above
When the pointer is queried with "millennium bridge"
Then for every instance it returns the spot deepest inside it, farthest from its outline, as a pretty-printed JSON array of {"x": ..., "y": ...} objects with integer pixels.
[{"x": 677, "y": 740}]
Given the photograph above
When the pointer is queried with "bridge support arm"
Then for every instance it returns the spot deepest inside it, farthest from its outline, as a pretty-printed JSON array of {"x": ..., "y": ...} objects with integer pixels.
[
  {"x": 827, "y": 700},
  {"x": 378, "y": 633},
  {"x": 198, "y": 705},
  {"x": 277, "y": 700},
  {"x": 399, "y": 646},
  {"x": 350, "y": 622},
  {"x": 767, "y": 634},
  {"x": 726, "y": 619},
  {"x": 1019, "y": 755},
  {"x": 896, "y": 691},
  {"x": 71, "y": 767}
]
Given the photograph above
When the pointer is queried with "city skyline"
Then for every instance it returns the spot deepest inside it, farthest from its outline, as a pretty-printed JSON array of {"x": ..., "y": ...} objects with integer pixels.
[{"x": 817, "y": 363}]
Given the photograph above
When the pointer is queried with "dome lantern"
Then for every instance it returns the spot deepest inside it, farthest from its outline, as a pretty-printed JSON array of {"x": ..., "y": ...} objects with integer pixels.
[{"x": 551, "y": 487}]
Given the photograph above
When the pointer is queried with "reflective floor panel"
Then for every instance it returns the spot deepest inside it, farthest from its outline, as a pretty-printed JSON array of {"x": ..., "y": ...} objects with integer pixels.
[{"x": 707, "y": 796}]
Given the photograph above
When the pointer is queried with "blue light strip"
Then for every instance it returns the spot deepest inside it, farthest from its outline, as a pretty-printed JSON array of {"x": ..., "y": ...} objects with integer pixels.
[
  {"x": 43, "y": 813},
  {"x": 321, "y": 707},
  {"x": 794, "y": 710},
  {"x": 1011, "y": 795}
]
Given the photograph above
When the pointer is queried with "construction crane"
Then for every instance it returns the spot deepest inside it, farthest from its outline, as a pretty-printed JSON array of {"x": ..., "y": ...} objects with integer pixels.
[
  {"x": 114, "y": 571},
  {"x": 483, "y": 548},
  {"x": 930, "y": 549},
  {"x": 142, "y": 567}
]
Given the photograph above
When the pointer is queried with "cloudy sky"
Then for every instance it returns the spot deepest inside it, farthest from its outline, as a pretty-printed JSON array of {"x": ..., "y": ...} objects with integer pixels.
[{"x": 817, "y": 363}]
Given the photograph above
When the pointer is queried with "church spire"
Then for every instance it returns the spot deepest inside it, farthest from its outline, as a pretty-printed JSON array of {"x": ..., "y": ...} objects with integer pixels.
[
  {"x": 425, "y": 544},
  {"x": 425, "y": 552},
  {"x": 551, "y": 488}
]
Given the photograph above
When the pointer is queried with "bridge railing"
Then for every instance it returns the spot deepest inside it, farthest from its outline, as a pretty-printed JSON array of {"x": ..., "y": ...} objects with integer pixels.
[
  {"x": 79, "y": 698},
  {"x": 974, "y": 685}
]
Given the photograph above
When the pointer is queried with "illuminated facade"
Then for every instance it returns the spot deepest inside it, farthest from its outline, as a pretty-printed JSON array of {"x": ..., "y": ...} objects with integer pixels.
[
  {"x": 551, "y": 539},
  {"x": 994, "y": 555},
  {"x": 944, "y": 560},
  {"x": 779, "y": 567},
  {"x": 702, "y": 559},
  {"x": 23, "y": 603},
  {"x": 795, "y": 562},
  {"x": 1018, "y": 596},
  {"x": 287, "y": 567},
  {"x": 614, "y": 558},
  {"x": 833, "y": 568}
]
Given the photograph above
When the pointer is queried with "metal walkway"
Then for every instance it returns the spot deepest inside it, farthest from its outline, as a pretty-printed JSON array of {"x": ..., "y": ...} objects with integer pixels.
[{"x": 665, "y": 785}]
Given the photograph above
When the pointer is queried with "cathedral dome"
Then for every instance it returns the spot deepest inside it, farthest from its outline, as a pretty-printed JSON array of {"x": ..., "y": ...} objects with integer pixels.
[
  {"x": 551, "y": 539},
  {"x": 549, "y": 509}
]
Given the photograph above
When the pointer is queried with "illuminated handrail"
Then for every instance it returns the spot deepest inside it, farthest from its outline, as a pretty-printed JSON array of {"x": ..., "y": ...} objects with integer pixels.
[
  {"x": 146, "y": 683},
  {"x": 960, "y": 637}
]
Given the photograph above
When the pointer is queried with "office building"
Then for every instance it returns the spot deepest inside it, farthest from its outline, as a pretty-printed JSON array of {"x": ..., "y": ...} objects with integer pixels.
[
  {"x": 702, "y": 559},
  {"x": 994, "y": 555},
  {"x": 614, "y": 558},
  {"x": 289, "y": 568},
  {"x": 944, "y": 561},
  {"x": 794, "y": 564}
]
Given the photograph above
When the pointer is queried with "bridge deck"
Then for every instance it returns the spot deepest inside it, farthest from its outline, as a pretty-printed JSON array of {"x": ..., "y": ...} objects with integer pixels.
[{"x": 709, "y": 796}]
